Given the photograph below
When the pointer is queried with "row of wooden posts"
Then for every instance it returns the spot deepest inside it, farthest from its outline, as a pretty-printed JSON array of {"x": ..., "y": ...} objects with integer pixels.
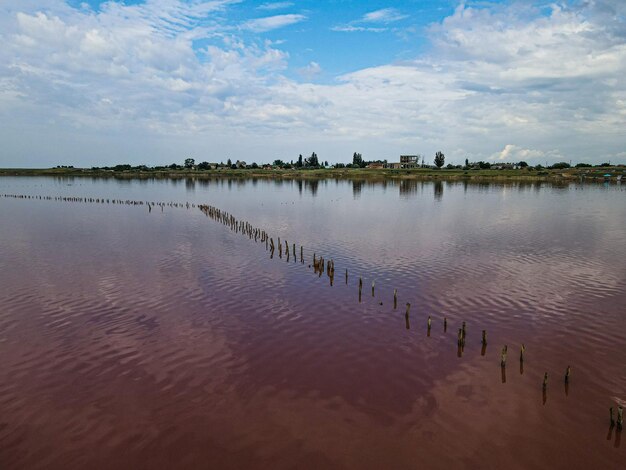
[
  {"x": 320, "y": 265},
  {"x": 127, "y": 202}
]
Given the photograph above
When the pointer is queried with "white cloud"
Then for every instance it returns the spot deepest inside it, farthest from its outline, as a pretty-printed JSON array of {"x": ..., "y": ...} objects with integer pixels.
[
  {"x": 127, "y": 80},
  {"x": 384, "y": 15},
  {"x": 261, "y": 25},
  {"x": 513, "y": 153},
  {"x": 352, "y": 29},
  {"x": 274, "y": 6},
  {"x": 312, "y": 70}
]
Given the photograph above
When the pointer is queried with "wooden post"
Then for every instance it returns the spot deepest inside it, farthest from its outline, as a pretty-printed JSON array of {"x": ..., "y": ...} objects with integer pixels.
[
  {"x": 463, "y": 328},
  {"x": 484, "y": 340},
  {"x": 503, "y": 357},
  {"x": 620, "y": 418},
  {"x": 611, "y": 416},
  {"x": 521, "y": 353},
  {"x": 395, "y": 298},
  {"x": 372, "y": 288},
  {"x": 408, "y": 307},
  {"x": 346, "y": 276},
  {"x": 568, "y": 372},
  {"x": 301, "y": 254},
  {"x": 545, "y": 381},
  {"x": 429, "y": 323},
  {"x": 445, "y": 324}
]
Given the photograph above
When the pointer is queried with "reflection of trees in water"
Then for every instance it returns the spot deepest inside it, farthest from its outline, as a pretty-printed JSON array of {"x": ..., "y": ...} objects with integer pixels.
[
  {"x": 410, "y": 187},
  {"x": 190, "y": 184},
  {"x": 438, "y": 185},
  {"x": 357, "y": 186},
  {"x": 312, "y": 186}
]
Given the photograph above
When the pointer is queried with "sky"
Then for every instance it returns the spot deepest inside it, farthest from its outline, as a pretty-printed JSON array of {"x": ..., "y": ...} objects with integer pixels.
[{"x": 93, "y": 83}]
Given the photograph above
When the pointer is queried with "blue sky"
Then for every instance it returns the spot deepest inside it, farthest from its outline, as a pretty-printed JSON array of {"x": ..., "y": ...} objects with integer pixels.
[
  {"x": 324, "y": 32},
  {"x": 153, "y": 81}
]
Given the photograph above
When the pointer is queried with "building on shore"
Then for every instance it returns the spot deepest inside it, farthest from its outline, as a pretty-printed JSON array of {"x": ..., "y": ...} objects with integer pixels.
[
  {"x": 406, "y": 161},
  {"x": 409, "y": 161}
]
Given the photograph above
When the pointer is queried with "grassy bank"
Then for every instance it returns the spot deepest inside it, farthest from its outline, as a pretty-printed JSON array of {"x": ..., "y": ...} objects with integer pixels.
[{"x": 342, "y": 173}]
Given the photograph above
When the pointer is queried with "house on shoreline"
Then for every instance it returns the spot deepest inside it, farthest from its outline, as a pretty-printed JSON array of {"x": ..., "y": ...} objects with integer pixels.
[{"x": 406, "y": 161}]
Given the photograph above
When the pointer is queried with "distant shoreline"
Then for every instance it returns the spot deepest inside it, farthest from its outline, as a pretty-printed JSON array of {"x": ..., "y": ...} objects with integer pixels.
[{"x": 423, "y": 174}]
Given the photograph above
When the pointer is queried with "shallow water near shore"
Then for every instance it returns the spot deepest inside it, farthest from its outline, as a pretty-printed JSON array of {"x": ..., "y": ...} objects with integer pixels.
[{"x": 132, "y": 338}]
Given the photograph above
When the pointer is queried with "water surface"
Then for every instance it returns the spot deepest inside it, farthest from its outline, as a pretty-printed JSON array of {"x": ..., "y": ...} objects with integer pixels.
[{"x": 162, "y": 339}]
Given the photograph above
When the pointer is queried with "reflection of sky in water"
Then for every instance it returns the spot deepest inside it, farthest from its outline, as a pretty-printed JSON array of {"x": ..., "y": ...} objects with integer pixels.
[{"x": 183, "y": 304}]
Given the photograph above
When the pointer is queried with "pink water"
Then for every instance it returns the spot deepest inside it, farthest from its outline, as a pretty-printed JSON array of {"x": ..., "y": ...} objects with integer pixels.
[{"x": 163, "y": 339}]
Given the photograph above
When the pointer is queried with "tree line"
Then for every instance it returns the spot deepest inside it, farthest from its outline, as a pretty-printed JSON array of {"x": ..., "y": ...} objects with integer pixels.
[{"x": 358, "y": 161}]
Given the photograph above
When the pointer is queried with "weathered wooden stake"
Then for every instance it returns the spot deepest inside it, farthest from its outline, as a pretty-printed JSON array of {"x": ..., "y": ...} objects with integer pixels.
[
  {"x": 503, "y": 356},
  {"x": 445, "y": 324},
  {"x": 395, "y": 298},
  {"x": 372, "y": 288},
  {"x": 346, "y": 276},
  {"x": 408, "y": 307},
  {"x": 611, "y": 416},
  {"x": 545, "y": 381},
  {"x": 484, "y": 340},
  {"x": 568, "y": 372},
  {"x": 620, "y": 418},
  {"x": 521, "y": 353},
  {"x": 430, "y": 322}
]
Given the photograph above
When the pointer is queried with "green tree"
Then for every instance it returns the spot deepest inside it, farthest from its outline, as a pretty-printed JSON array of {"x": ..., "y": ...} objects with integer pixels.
[
  {"x": 229, "y": 163},
  {"x": 299, "y": 163},
  {"x": 440, "y": 159},
  {"x": 313, "y": 161},
  {"x": 357, "y": 159},
  {"x": 203, "y": 166},
  {"x": 522, "y": 164},
  {"x": 189, "y": 163},
  {"x": 466, "y": 162}
]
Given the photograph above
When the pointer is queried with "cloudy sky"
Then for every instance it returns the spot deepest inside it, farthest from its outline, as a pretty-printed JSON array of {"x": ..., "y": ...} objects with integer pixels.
[{"x": 155, "y": 81}]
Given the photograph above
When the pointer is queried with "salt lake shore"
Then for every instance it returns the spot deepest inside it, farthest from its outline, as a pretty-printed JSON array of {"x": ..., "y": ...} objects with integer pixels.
[{"x": 521, "y": 175}]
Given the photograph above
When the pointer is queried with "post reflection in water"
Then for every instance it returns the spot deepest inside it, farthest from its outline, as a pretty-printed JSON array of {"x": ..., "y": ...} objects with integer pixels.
[{"x": 438, "y": 187}]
